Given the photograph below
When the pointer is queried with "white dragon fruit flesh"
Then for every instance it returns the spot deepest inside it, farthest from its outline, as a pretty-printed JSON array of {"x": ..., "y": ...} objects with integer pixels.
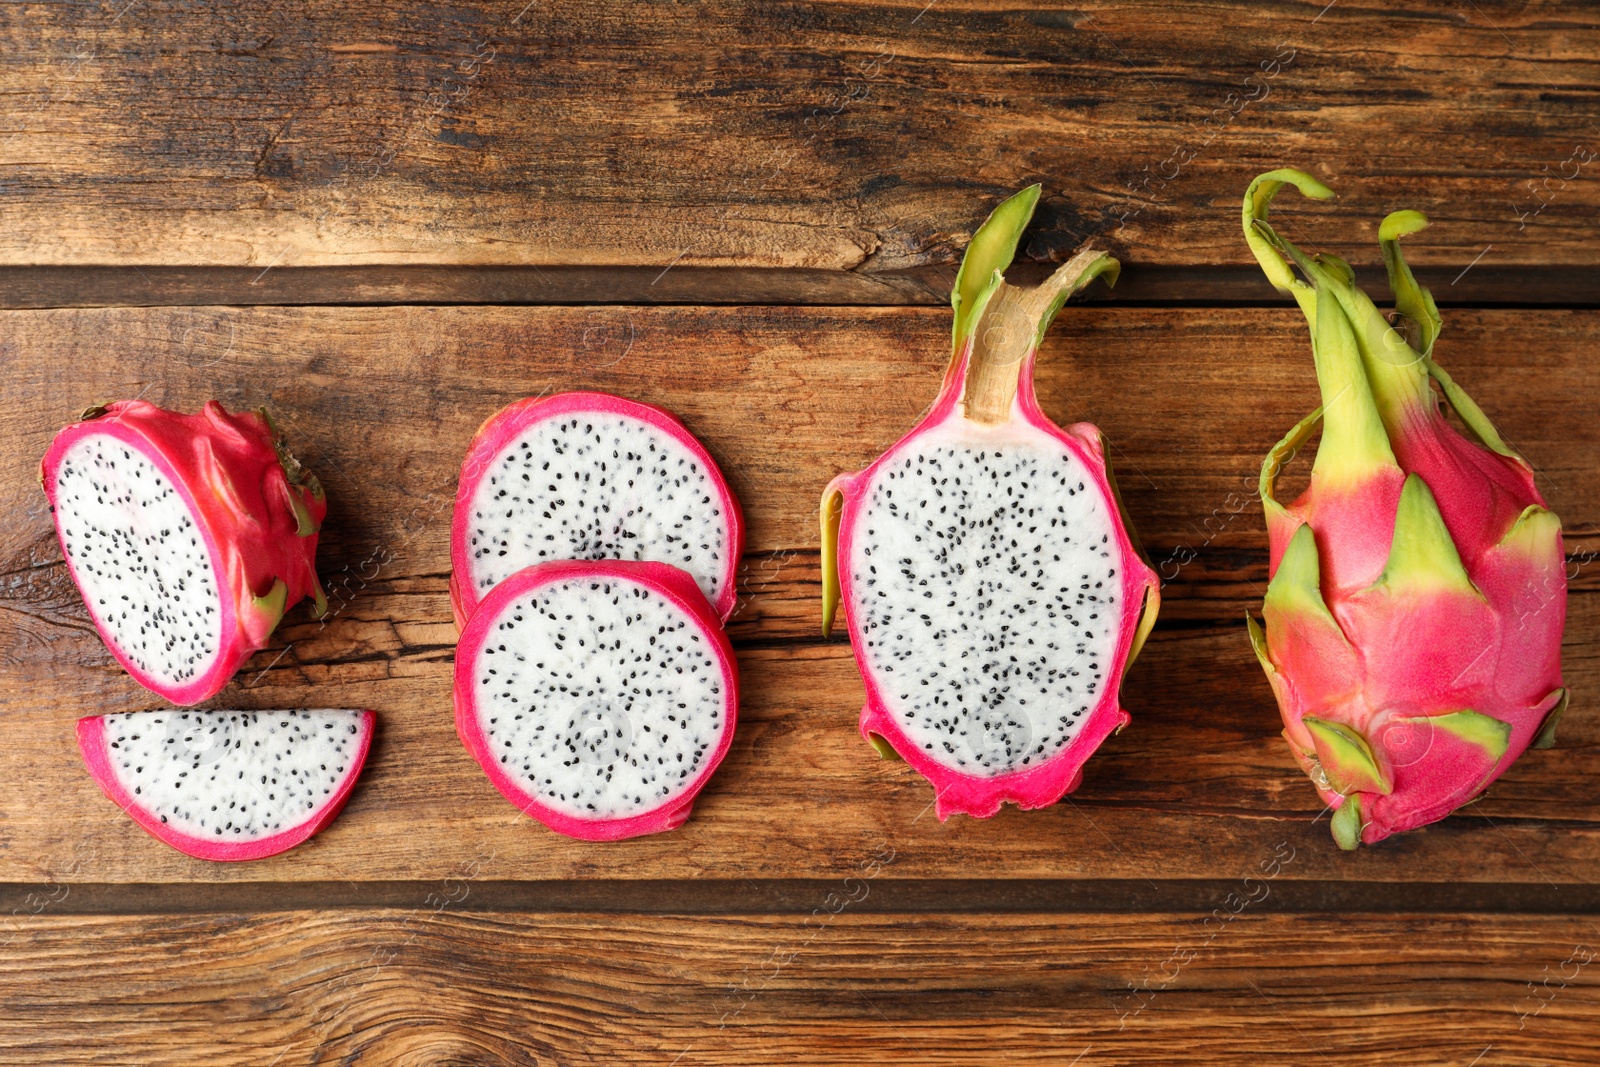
[
  {"x": 598, "y": 697},
  {"x": 993, "y": 592},
  {"x": 590, "y": 476},
  {"x": 228, "y": 785}
]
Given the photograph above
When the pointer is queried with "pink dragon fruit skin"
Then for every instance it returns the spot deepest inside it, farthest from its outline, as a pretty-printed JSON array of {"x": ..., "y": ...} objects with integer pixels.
[
  {"x": 257, "y": 514},
  {"x": 987, "y": 405},
  {"x": 1414, "y": 615}
]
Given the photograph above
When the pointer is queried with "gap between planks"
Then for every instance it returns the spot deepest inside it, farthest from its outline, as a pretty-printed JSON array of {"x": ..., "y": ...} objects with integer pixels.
[
  {"x": 39, "y": 288},
  {"x": 769, "y": 896}
]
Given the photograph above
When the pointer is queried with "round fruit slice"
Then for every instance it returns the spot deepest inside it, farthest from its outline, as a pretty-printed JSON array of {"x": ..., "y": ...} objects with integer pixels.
[
  {"x": 589, "y": 476},
  {"x": 598, "y": 697},
  {"x": 228, "y": 785}
]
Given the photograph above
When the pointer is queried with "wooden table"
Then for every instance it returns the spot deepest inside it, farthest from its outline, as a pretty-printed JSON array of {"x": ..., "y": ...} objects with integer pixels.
[{"x": 386, "y": 221}]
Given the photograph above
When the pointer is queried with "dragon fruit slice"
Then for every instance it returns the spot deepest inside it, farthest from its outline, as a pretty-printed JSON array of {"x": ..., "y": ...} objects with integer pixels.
[
  {"x": 228, "y": 785},
  {"x": 589, "y": 476},
  {"x": 1418, "y": 591},
  {"x": 189, "y": 536},
  {"x": 993, "y": 592},
  {"x": 599, "y": 697}
]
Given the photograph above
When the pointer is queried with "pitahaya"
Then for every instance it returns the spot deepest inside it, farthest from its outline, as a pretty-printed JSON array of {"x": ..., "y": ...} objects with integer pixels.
[
  {"x": 1418, "y": 592},
  {"x": 590, "y": 476},
  {"x": 993, "y": 592},
  {"x": 599, "y": 697},
  {"x": 189, "y": 536},
  {"x": 228, "y": 785}
]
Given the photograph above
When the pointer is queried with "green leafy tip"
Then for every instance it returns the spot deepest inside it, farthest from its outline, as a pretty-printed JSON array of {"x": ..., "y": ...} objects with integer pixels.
[
  {"x": 1101, "y": 265},
  {"x": 1347, "y": 824},
  {"x": 1474, "y": 728},
  {"x": 305, "y": 525},
  {"x": 832, "y": 508},
  {"x": 990, "y": 252},
  {"x": 1257, "y": 206},
  {"x": 319, "y": 599},
  {"x": 884, "y": 749},
  {"x": 1295, "y": 590},
  {"x": 1347, "y": 759},
  {"x": 1536, "y": 534},
  {"x": 1547, "y": 729},
  {"x": 1258, "y": 643},
  {"x": 1422, "y": 557},
  {"x": 1410, "y": 299},
  {"x": 1278, "y": 458},
  {"x": 273, "y": 604},
  {"x": 1472, "y": 416}
]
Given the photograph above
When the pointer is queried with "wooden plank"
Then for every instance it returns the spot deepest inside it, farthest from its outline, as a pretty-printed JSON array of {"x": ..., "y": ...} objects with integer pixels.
[
  {"x": 838, "y": 136},
  {"x": 1202, "y": 787},
  {"x": 434, "y": 983},
  {"x": 383, "y": 401},
  {"x": 1190, "y": 399}
]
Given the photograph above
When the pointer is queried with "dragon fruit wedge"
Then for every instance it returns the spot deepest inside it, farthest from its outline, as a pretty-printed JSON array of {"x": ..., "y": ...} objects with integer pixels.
[
  {"x": 1418, "y": 590},
  {"x": 189, "y": 536},
  {"x": 993, "y": 592},
  {"x": 589, "y": 476},
  {"x": 599, "y": 697},
  {"x": 228, "y": 785}
]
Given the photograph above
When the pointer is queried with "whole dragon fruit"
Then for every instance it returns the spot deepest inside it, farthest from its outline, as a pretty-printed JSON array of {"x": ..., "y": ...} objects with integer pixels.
[
  {"x": 1418, "y": 591},
  {"x": 590, "y": 476},
  {"x": 993, "y": 592},
  {"x": 228, "y": 785},
  {"x": 598, "y": 697},
  {"x": 189, "y": 536}
]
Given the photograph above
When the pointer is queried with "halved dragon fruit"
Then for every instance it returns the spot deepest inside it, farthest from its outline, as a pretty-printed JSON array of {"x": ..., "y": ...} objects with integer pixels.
[
  {"x": 228, "y": 785},
  {"x": 189, "y": 536},
  {"x": 590, "y": 476},
  {"x": 993, "y": 592},
  {"x": 1418, "y": 592},
  {"x": 599, "y": 697}
]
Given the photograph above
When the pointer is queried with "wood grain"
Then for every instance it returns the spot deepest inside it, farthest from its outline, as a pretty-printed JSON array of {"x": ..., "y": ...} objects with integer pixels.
[
  {"x": 382, "y": 401},
  {"x": 1185, "y": 905},
  {"x": 842, "y": 136},
  {"x": 436, "y": 984}
]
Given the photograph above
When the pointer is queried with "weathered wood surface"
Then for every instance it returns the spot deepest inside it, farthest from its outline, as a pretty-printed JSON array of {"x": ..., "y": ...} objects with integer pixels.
[
  {"x": 429, "y": 984},
  {"x": 1186, "y": 905},
  {"x": 381, "y": 402},
  {"x": 841, "y": 136}
]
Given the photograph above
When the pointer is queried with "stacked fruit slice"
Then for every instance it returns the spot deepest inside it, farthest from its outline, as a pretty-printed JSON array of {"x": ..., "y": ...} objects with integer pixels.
[
  {"x": 189, "y": 537},
  {"x": 594, "y": 551}
]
